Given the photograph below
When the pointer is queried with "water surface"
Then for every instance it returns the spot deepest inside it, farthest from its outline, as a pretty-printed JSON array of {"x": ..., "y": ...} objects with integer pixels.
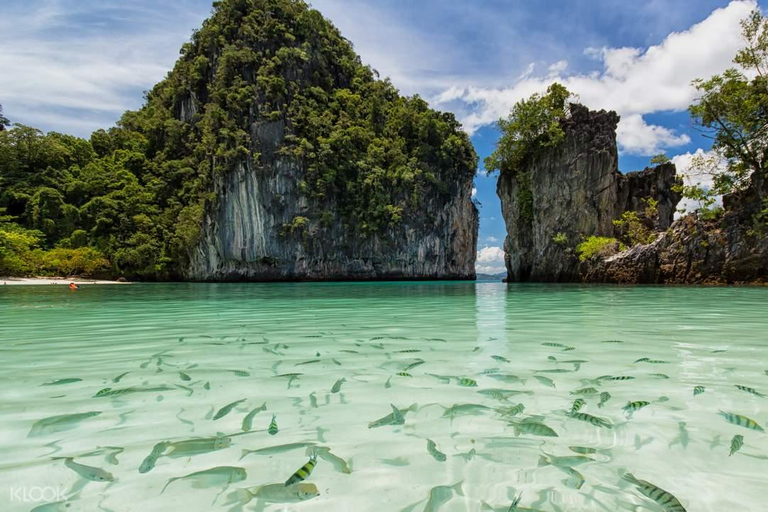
[{"x": 228, "y": 342}]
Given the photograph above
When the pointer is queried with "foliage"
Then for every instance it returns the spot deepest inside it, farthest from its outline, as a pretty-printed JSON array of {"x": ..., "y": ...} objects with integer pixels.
[
  {"x": 533, "y": 124},
  {"x": 560, "y": 238},
  {"x": 660, "y": 159},
  {"x": 16, "y": 247},
  {"x": 594, "y": 245},
  {"x": 732, "y": 111},
  {"x": 638, "y": 229},
  {"x": 70, "y": 262},
  {"x": 137, "y": 193},
  {"x": 3, "y": 120}
]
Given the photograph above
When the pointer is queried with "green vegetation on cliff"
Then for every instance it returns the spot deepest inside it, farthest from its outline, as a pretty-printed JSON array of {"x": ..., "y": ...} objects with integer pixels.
[{"x": 137, "y": 193}]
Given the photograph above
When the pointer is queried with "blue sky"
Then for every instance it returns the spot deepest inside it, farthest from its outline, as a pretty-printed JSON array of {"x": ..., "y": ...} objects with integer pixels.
[{"x": 76, "y": 65}]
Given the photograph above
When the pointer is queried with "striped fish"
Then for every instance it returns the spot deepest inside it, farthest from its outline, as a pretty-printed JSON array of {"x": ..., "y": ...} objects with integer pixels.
[
  {"x": 567, "y": 349},
  {"x": 273, "y": 430},
  {"x": 604, "y": 397},
  {"x": 404, "y": 374},
  {"x": 651, "y": 361},
  {"x": 749, "y": 390},
  {"x": 667, "y": 501},
  {"x": 550, "y": 344},
  {"x": 659, "y": 375},
  {"x": 303, "y": 472},
  {"x": 635, "y": 406},
  {"x": 741, "y": 421},
  {"x": 500, "y": 359},
  {"x": 698, "y": 390},
  {"x": 584, "y": 391},
  {"x": 577, "y": 405},
  {"x": 466, "y": 382},
  {"x": 413, "y": 365},
  {"x": 337, "y": 385},
  {"x": 512, "y": 411},
  {"x": 592, "y": 420},
  {"x": 534, "y": 428},
  {"x": 620, "y": 377},
  {"x": 736, "y": 443}
]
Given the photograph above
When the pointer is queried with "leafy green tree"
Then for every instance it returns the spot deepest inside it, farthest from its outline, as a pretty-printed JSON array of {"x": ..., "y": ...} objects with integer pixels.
[
  {"x": 533, "y": 124},
  {"x": 3, "y": 120},
  {"x": 732, "y": 110},
  {"x": 659, "y": 159}
]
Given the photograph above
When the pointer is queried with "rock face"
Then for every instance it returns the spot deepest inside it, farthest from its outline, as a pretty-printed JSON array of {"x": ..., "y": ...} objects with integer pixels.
[
  {"x": 571, "y": 191},
  {"x": 243, "y": 236},
  {"x": 731, "y": 250}
]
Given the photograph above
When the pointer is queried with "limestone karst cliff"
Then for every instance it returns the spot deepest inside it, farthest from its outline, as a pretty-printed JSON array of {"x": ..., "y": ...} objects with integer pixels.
[
  {"x": 315, "y": 168},
  {"x": 575, "y": 190},
  {"x": 572, "y": 191}
]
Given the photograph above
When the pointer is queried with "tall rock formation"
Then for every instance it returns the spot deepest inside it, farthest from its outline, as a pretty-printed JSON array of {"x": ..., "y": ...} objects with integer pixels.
[
  {"x": 572, "y": 191},
  {"x": 290, "y": 160}
]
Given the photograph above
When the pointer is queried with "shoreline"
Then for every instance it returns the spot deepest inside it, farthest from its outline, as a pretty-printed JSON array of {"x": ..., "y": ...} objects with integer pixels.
[{"x": 38, "y": 281}]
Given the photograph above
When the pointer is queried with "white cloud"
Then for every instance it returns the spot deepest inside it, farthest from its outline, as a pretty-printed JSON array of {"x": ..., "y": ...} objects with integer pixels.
[
  {"x": 474, "y": 191},
  {"x": 633, "y": 81},
  {"x": 700, "y": 175},
  {"x": 490, "y": 260},
  {"x": 492, "y": 239}
]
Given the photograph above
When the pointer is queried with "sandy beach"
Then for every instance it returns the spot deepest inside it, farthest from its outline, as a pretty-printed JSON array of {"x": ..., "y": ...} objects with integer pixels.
[{"x": 12, "y": 281}]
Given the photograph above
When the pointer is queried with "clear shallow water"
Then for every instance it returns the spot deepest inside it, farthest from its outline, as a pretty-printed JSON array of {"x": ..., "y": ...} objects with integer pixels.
[{"x": 237, "y": 338}]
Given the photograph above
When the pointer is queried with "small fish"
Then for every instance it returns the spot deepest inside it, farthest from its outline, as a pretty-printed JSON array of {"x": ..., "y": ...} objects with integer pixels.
[
  {"x": 190, "y": 447},
  {"x": 227, "y": 409},
  {"x": 440, "y": 495},
  {"x": 551, "y": 344},
  {"x": 303, "y": 472},
  {"x": 567, "y": 461},
  {"x": 240, "y": 373},
  {"x": 218, "y": 476},
  {"x": 741, "y": 421},
  {"x": 501, "y": 359},
  {"x": 507, "y": 378},
  {"x": 667, "y": 501},
  {"x": 697, "y": 390},
  {"x": 612, "y": 341},
  {"x": 59, "y": 423},
  {"x": 604, "y": 397},
  {"x": 183, "y": 376},
  {"x": 89, "y": 472},
  {"x": 394, "y": 418},
  {"x": 577, "y": 405},
  {"x": 313, "y": 361},
  {"x": 513, "y": 410},
  {"x": 403, "y": 374},
  {"x": 584, "y": 450},
  {"x": 466, "y": 382},
  {"x": 441, "y": 378},
  {"x": 585, "y": 391},
  {"x": 324, "y": 453},
  {"x": 567, "y": 349},
  {"x": 207, "y": 386},
  {"x": 635, "y": 406},
  {"x": 592, "y": 420},
  {"x": 659, "y": 375},
  {"x": 545, "y": 381},
  {"x": 490, "y": 371},
  {"x": 736, "y": 443},
  {"x": 148, "y": 464},
  {"x": 434, "y": 452},
  {"x": 248, "y": 420},
  {"x": 651, "y": 361},
  {"x": 621, "y": 377},
  {"x": 533, "y": 428},
  {"x": 397, "y": 461},
  {"x": 337, "y": 385},
  {"x": 388, "y": 384},
  {"x": 408, "y": 351},
  {"x": 273, "y": 450},
  {"x": 413, "y": 365},
  {"x": 503, "y": 394},
  {"x": 61, "y": 382},
  {"x": 273, "y": 430},
  {"x": 555, "y": 370},
  {"x": 749, "y": 390},
  {"x": 464, "y": 409},
  {"x": 275, "y": 493},
  {"x": 119, "y": 377}
]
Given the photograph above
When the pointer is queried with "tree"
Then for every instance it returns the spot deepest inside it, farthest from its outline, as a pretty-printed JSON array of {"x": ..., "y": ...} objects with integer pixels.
[
  {"x": 532, "y": 125},
  {"x": 3, "y": 120},
  {"x": 733, "y": 111},
  {"x": 660, "y": 159}
]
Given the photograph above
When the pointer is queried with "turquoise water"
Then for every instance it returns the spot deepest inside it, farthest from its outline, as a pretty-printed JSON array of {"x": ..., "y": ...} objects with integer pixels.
[{"x": 229, "y": 342}]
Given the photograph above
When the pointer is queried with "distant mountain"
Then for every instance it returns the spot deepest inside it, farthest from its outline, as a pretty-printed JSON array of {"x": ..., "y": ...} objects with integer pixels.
[{"x": 492, "y": 277}]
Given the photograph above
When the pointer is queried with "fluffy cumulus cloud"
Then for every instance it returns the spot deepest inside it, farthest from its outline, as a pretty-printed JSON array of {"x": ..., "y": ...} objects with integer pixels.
[
  {"x": 490, "y": 260},
  {"x": 701, "y": 174},
  {"x": 632, "y": 81}
]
